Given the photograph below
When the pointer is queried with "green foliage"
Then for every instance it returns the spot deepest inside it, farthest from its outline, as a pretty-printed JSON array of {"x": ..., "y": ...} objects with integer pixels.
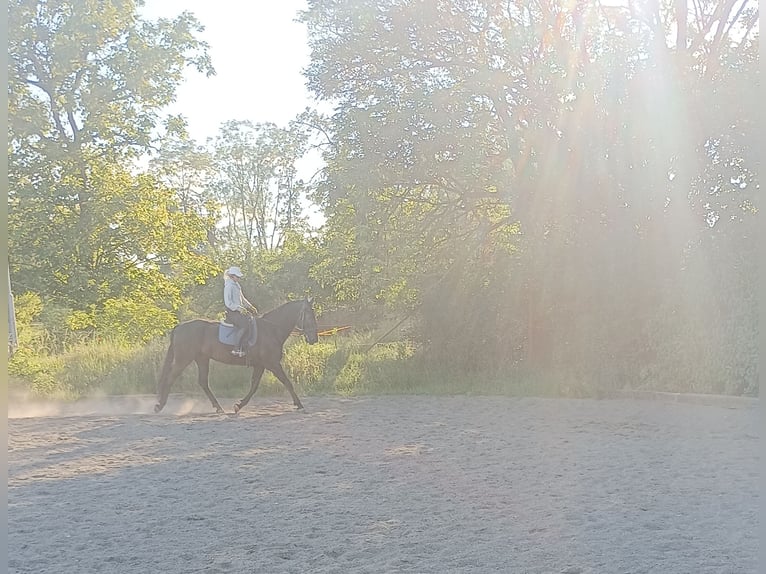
[
  {"x": 350, "y": 377},
  {"x": 371, "y": 370},
  {"x": 128, "y": 320},
  {"x": 87, "y": 232},
  {"x": 137, "y": 370},
  {"x": 307, "y": 364},
  {"x": 255, "y": 178},
  {"x": 562, "y": 197},
  {"x": 28, "y": 307},
  {"x": 36, "y": 326},
  {"x": 50, "y": 360},
  {"x": 539, "y": 183},
  {"x": 276, "y": 276},
  {"x": 83, "y": 370},
  {"x": 93, "y": 75},
  {"x": 35, "y": 373},
  {"x": 136, "y": 240},
  {"x": 345, "y": 366},
  {"x": 183, "y": 166}
]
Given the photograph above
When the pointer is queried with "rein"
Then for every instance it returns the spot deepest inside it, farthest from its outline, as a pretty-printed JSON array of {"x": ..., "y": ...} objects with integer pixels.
[{"x": 300, "y": 323}]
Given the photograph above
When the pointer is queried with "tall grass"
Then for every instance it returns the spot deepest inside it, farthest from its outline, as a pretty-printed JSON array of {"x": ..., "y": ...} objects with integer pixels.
[{"x": 337, "y": 365}]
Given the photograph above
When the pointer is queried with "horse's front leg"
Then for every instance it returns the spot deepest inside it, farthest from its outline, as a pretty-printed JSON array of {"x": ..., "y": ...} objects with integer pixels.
[
  {"x": 256, "y": 379},
  {"x": 280, "y": 374},
  {"x": 203, "y": 376}
]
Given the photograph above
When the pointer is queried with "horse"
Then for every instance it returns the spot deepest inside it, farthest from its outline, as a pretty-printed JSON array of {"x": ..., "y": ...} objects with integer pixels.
[{"x": 197, "y": 340}]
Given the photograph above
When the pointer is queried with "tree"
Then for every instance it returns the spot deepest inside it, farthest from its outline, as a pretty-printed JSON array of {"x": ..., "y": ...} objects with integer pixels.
[
  {"x": 578, "y": 135},
  {"x": 255, "y": 178},
  {"x": 184, "y": 166},
  {"x": 87, "y": 82},
  {"x": 419, "y": 168},
  {"x": 93, "y": 75}
]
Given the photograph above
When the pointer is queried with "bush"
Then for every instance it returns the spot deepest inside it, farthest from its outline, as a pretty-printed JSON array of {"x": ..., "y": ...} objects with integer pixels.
[
  {"x": 136, "y": 319},
  {"x": 306, "y": 364},
  {"x": 37, "y": 374},
  {"x": 350, "y": 365}
]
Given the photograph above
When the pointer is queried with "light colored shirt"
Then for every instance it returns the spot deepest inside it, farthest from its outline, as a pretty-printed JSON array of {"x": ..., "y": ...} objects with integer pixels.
[{"x": 233, "y": 297}]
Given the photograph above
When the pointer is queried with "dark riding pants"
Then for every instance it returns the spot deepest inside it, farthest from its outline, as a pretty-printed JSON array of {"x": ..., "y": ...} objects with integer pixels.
[{"x": 242, "y": 322}]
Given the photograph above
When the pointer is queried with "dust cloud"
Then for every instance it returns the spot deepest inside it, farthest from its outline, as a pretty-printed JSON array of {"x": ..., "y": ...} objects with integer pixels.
[{"x": 21, "y": 407}]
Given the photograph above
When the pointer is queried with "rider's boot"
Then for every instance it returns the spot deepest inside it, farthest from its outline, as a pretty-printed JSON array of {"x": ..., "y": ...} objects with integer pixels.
[{"x": 238, "y": 350}]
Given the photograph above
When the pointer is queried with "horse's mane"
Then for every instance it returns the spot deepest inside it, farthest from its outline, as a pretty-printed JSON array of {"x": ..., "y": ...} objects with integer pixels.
[{"x": 271, "y": 313}]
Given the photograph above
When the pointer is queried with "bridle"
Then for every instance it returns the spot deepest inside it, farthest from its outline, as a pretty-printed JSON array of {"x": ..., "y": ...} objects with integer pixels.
[{"x": 301, "y": 323}]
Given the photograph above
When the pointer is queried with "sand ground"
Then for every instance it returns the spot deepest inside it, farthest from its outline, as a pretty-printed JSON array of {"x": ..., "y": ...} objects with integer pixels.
[{"x": 384, "y": 484}]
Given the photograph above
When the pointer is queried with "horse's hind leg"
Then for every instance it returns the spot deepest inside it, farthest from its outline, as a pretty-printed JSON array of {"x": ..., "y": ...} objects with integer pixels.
[
  {"x": 166, "y": 381},
  {"x": 254, "y": 381},
  {"x": 203, "y": 372},
  {"x": 280, "y": 374}
]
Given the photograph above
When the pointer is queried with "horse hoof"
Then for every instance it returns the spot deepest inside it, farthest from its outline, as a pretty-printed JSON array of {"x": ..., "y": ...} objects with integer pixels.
[
  {"x": 236, "y": 409},
  {"x": 157, "y": 408}
]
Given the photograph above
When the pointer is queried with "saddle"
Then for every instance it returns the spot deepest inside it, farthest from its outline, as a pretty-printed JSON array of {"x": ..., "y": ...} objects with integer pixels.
[{"x": 227, "y": 333}]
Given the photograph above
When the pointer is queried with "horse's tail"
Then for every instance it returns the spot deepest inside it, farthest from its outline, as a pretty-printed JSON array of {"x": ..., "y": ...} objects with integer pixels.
[
  {"x": 163, "y": 382},
  {"x": 168, "y": 364}
]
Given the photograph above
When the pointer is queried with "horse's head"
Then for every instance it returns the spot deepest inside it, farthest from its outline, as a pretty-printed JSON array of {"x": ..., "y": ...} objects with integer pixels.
[{"x": 307, "y": 322}]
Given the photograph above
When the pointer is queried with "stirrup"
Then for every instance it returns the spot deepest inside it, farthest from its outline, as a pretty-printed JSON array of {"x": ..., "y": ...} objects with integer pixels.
[{"x": 238, "y": 352}]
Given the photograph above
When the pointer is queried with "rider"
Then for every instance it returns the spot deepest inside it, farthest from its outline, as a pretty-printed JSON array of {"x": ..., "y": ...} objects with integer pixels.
[{"x": 238, "y": 308}]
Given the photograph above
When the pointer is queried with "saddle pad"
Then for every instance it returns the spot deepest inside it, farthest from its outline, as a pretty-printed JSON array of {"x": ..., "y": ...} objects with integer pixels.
[{"x": 227, "y": 334}]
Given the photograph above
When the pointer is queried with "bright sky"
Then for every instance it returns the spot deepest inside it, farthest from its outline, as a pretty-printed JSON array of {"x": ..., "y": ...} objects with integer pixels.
[{"x": 258, "y": 52}]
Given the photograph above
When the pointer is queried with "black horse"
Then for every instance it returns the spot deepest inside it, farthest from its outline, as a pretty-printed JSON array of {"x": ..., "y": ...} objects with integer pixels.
[{"x": 197, "y": 341}]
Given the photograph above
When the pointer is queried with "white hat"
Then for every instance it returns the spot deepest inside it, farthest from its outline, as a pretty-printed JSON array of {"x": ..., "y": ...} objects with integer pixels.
[{"x": 236, "y": 271}]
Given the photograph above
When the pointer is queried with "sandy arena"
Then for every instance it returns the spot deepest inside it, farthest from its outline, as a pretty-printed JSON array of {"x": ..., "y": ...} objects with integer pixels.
[{"x": 385, "y": 484}]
